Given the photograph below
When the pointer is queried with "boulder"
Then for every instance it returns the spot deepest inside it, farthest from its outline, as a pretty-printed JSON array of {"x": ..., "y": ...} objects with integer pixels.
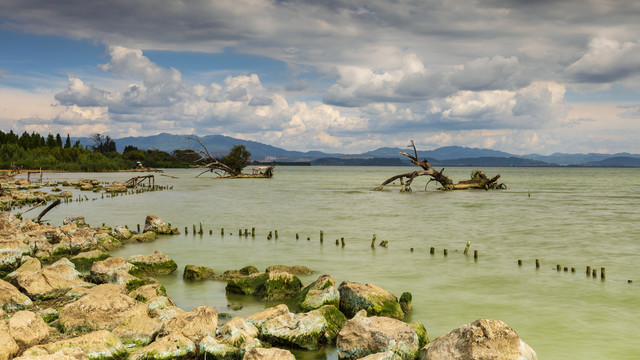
[
  {"x": 172, "y": 346},
  {"x": 11, "y": 298},
  {"x": 77, "y": 240},
  {"x": 95, "y": 345},
  {"x": 11, "y": 251},
  {"x": 147, "y": 236},
  {"x": 306, "y": 331},
  {"x": 275, "y": 285},
  {"x": 374, "y": 299},
  {"x": 157, "y": 225},
  {"x": 335, "y": 320},
  {"x": 85, "y": 260},
  {"x": 482, "y": 339},
  {"x": 139, "y": 330},
  {"x": 154, "y": 264},
  {"x": 209, "y": 347},
  {"x": 195, "y": 272},
  {"x": 166, "y": 313},
  {"x": 317, "y": 294},
  {"x": 237, "y": 331},
  {"x": 64, "y": 354},
  {"x": 27, "y": 328},
  {"x": 194, "y": 324},
  {"x": 101, "y": 270},
  {"x": 421, "y": 331},
  {"x": 362, "y": 336},
  {"x": 406, "y": 300},
  {"x": 8, "y": 347},
  {"x": 154, "y": 295},
  {"x": 387, "y": 355},
  {"x": 107, "y": 242},
  {"x": 31, "y": 264},
  {"x": 121, "y": 277},
  {"x": 78, "y": 220},
  {"x": 51, "y": 281},
  {"x": 258, "y": 319},
  {"x": 104, "y": 307},
  {"x": 121, "y": 233},
  {"x": 268, "y": 354},
  {"x": 295, "y": 269},
  {"x": 236, "y": 274}
]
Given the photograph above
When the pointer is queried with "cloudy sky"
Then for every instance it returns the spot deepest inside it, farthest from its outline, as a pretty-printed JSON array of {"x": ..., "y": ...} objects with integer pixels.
[{"x": 521, "y": 76}]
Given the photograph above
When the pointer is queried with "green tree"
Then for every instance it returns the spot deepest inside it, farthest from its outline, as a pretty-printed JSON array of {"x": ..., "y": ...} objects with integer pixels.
[
  {"x": 238, "y": 158},
  {"x": 103, "y": 144},
  {"x": 67, "y": 143}
]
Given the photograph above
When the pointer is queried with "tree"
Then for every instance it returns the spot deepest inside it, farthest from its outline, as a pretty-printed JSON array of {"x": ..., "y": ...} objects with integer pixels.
[
  {"x": 103, "y": 144},
  {"x": 238, "y": 158},
  {"x": 67, "y": 143},
  {"x": 478, "y": 179}
]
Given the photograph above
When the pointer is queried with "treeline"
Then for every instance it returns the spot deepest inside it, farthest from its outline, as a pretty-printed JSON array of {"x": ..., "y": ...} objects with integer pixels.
[{"x": 34, "y": 151}]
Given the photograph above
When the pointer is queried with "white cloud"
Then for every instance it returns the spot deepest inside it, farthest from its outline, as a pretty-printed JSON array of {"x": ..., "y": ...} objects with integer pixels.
[{"x": 607, "y": 61}]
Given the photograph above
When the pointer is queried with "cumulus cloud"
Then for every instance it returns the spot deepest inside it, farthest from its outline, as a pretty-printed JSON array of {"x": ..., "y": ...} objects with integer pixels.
[{"x": 607, "y": 61}]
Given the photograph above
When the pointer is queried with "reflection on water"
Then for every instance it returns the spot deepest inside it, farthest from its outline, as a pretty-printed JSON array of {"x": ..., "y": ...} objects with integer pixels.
[{"x": 573, "y": 218}]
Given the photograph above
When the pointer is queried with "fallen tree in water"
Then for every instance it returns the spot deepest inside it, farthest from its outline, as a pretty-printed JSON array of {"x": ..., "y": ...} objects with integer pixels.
[
  {"x": 478, "y": 179},
  {"x": 232, "y": 164}
]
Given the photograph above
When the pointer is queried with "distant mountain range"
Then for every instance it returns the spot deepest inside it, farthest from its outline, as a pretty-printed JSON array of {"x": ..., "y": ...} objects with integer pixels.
[{"x": 219, "y": 145}]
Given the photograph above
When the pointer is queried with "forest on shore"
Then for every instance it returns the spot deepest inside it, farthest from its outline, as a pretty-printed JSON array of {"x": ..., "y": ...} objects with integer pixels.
[{"x": 34, "y": 151}]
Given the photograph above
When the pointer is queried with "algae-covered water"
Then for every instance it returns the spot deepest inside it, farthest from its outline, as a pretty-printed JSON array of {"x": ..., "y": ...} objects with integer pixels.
[{"x": 574, "y": 217}]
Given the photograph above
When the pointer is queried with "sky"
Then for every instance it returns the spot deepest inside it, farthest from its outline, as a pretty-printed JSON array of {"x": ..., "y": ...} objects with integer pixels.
[{"x": 522, "y": 76}]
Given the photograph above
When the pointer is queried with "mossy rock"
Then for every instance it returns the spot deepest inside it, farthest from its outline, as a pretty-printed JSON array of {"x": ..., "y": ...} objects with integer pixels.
[
  {"x": 279, "y": 285},
  {"x": 147, "y": 236},
  {"x": 387, "y": 308},
  {"x": 421, "y": 331},
  {"x": 154, "y": 264},
  {"x": 335, "y": 320},
  {"x": 194, "y": 272},
  {"x": 246, "y": 285},
  {"x": 84, "y": 260},
  {"x": 406, "y": 302}
]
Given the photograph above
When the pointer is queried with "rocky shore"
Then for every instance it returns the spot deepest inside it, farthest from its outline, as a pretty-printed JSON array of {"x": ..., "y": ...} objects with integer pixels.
[{"x": 62, "y": 296}]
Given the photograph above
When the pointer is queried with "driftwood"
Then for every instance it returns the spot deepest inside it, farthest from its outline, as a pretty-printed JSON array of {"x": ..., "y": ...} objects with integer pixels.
[
  {"x": 478, "y": 179},
  {"x": 46, "y": 210},
  {"x": 212, "y": 163}
]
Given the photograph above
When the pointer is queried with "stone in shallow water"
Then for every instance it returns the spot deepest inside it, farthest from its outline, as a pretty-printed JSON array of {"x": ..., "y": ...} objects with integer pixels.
[{"x": 362, "y": 336}]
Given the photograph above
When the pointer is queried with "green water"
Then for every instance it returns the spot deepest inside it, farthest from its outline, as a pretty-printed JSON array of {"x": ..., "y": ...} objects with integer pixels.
[{"x": 573, "y": 217}]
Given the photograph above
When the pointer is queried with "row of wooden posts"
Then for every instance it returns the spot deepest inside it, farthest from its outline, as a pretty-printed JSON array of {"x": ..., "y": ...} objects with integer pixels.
[{"x": 591, "y": 272}]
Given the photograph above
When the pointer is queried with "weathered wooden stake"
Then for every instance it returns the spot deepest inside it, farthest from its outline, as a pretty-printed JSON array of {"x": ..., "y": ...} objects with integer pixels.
[
  {"x": 573, "y": 269},
  {"x": 138, "y": 228},
  {"x": 475, "y": 254},
  {"x": 588, "y": 270},
  {"x": 297, "y": 236},
  {"x": 270, "y": 235},
  {"x": 373, "y": 241},
  {"x": 321, "y": 236},
  {"x": 201, "y": 231},
  {"x": 558, "y": 267},
  {"x": 210, "y": 232},
  {"x": 466, "y": 248},
  {"x": 194, "y": 229},
  {"x": 432, "y": 251},
  {"x": 186, "y": 230},
  {"x": 342, "y": 240},
  {"x": 411, "y": 249},
  {"x": 566, "y": 269},
  {"x": 537, "y": 263},
  {"x": 337, "y": 242},
  {"x": 253, "y": 232},
  {"x": 594, "y": 273},
  {"x": 446, "y": 252},
  {"x": 276, "y": 234},
  {"x": 602, "y": 273},
  {"x": 519, "y": 262}
]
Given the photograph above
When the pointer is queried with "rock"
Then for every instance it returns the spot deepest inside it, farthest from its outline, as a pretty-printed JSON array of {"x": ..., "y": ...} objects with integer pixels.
[
  {"x": 172, "y": 346},
  {"x": 121, "y": 277},
  {"x": 8, "y": 347},
  {"x": 306, "y": 331},
  {"x": 374, "y": 299},
  {"x": 85, "y": 260},
  {"x": 50, "y": 282},
  {"x": 155, "y": 224},
  {"x": 268, "y": 354},
  {"x": 362, "y": 336},
  {"x": 121, "y": 233},
  {"x": 11, "y": 251},
  {"x": 104, "y": 307},
  {"x": 194, "y": 272},
  {"x": 295, "y": 269},
  {"x": 27, "y": 328},
  {"x": 235, "y": 274},
  {"x": 147, "y": 236},
  {"x": 95, "y": 345},
  {"x": 154, "y": 264},
  {"x": 101, "y": 270},
  {"x": 115, "y": 188},
  {"x": 237, "y": 331},
  {"x": 78, "y": 240},
  {"x": 64, "y": 354},
  {"x": 317, "y": 294},
  {"x": 387, "y": 355},
  {"x": 274, "y": 285},
  {"x": 107, "y": 242},
  {"x": 49, "y": 314},
  {"x": 31, "y": 265},
  {"x": 482, "y": 339},
  {"x": 139, "y": 330},
  {"x": 421, "y": 331},
  {"x": 194, "y": 324},
  {"x": 78, "y": 220},
  {"x": 154, "y": 295},
  {"x": 258, "y": 319},
  {"x": 209, "y": 347},
  {"x": 166, "y": 313},
  {"x": 11, "y": 298},
  {"x": 335, "y": 320},
  {"x": 406, "y": 302}
]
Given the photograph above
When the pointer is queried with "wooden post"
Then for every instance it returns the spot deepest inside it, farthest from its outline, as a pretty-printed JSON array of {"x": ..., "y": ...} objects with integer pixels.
[
  {"x": 222, "y": 232},
  {"x": 446, "y": 252},
  {"x": 253, "y": 232},
  {"x": 194, "y": 229},
  {"x": 475, "y": 254},
  {"x": 602, "y": 273},
  {"x": 200, "y": 232},
  {"x": 138, "y": 228},
  {"x": 321, "y": 236},
  {"x": 432, "y": 251},
  {"x": 519, "y": 262},
  {"x": 337, "y": 242},
  {"x": 276, "y": 234},
  {"x": 373, "y": 241},
  {"x": 558, "y": 267},
  {"x": 466, "y": 248},
  {"x": 210, "y": 232},
  {"x": 594, "y": 273},
  {"x": 297, "y": 236},
  {"x": 186, "y": 230},
  {"x": 537, "y": 263},
  {"x": 342, "y": 239}
]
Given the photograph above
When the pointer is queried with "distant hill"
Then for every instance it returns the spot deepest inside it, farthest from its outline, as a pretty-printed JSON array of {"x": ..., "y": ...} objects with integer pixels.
[{"x": 219, "y": 145}]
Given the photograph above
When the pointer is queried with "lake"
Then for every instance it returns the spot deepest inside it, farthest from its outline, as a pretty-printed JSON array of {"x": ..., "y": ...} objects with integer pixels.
[{"x": 572, "y": 217}]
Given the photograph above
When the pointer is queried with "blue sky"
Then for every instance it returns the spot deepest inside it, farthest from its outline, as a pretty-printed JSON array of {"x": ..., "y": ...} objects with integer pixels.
[{"x": 348, "y": 76}]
